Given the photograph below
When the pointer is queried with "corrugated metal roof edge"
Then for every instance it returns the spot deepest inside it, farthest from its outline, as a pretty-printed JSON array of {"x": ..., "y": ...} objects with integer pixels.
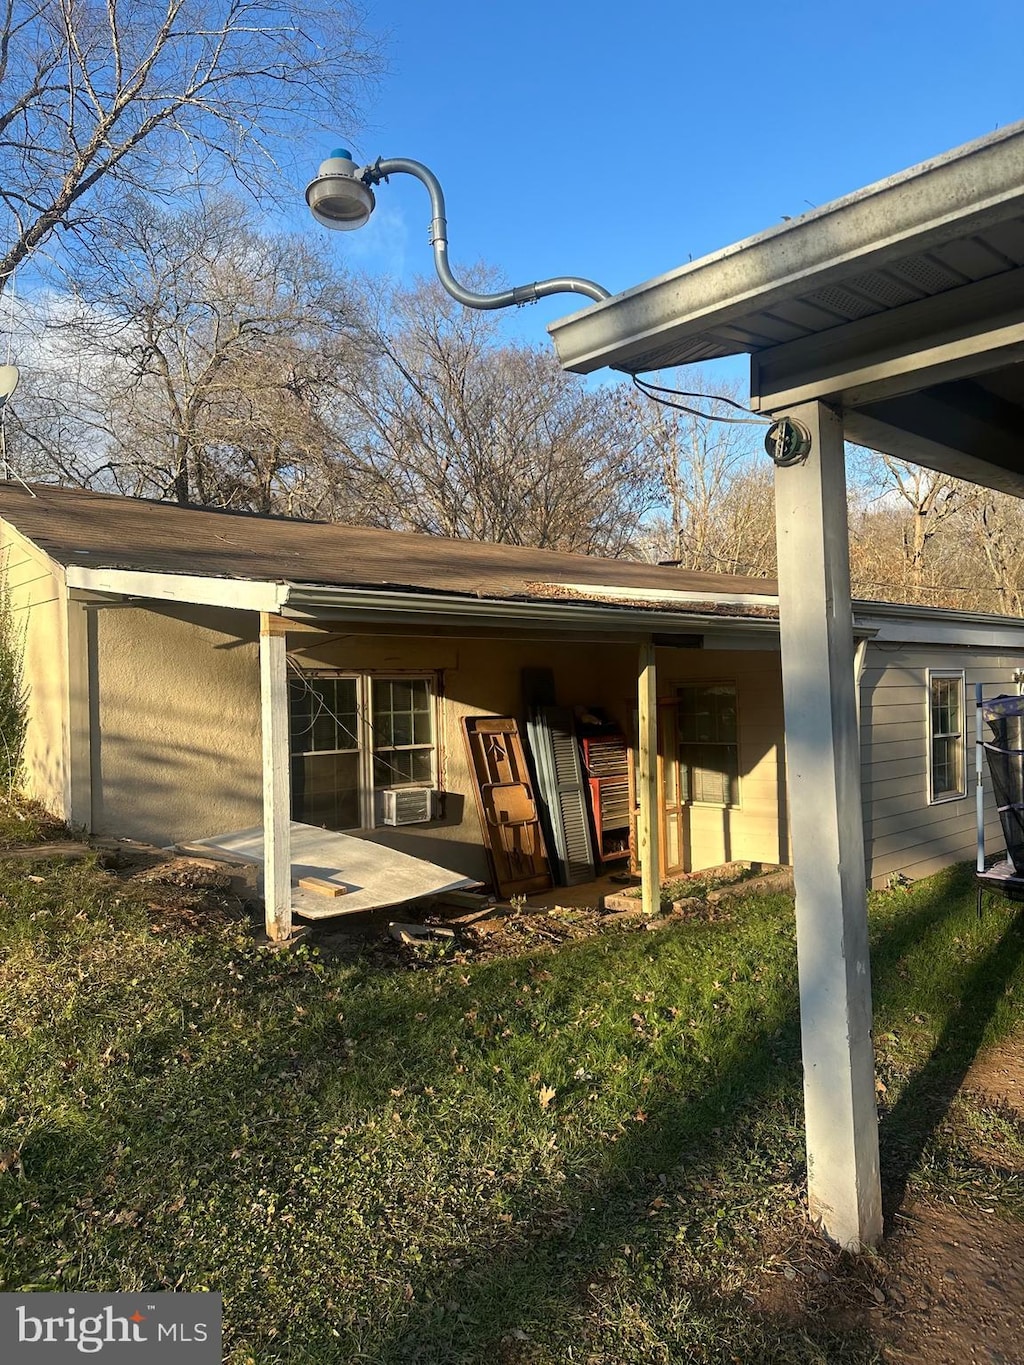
[
  {"x": 630, "y": 613},
  {"x": 295, "y": 598}
]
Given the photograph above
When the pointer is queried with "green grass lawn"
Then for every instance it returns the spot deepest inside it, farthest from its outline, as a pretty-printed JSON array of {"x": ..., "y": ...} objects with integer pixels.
[{"x": 592, "y": 1154}]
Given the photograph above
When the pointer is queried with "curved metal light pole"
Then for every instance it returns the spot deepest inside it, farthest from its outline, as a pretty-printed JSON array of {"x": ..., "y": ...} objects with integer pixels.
[{"x": 341, "y": 198}]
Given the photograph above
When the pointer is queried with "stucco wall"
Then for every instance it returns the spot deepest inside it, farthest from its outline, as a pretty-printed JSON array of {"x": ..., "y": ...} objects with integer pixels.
[
  {"x": 483, "y": 677},
  {"x": 176, "y": 723},
  {"x": 755, "y": 830},
  {"x": 36, "y": 596}
]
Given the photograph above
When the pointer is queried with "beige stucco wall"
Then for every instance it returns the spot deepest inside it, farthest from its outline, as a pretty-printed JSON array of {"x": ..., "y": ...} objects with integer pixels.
[
  {"x": 755, "y": 830},
  {"x": 176, "y": 750},
  {"x": 37, "y": 599},
  {"x": 483, "y": 677}
]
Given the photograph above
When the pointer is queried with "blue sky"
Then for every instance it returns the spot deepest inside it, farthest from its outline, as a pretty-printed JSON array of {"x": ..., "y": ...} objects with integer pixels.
[{"x": 617, "y": 141}]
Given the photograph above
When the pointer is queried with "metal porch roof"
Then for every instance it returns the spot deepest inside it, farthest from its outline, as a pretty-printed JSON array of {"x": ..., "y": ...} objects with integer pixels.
[
  {"x": 945, "y": 223},
  {"x": 902, "y": 305}
]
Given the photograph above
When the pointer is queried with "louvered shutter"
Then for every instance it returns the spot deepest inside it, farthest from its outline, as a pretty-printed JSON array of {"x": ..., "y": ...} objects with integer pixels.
[{"x": 556, "y": 755}]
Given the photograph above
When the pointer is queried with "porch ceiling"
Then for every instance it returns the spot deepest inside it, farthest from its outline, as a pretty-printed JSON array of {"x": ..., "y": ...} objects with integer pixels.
[{"x": 903, "y": 304}]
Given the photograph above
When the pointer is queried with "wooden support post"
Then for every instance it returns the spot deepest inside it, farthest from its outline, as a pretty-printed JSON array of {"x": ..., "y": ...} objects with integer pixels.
[
  {"x": 647, "y": 783},
  {"x": 823, "y": 773},
  {"x": 277, "y": 859}
]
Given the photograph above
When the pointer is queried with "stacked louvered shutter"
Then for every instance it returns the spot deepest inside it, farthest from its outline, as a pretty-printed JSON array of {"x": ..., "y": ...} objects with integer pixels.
[{"x": 561, "y": 785}]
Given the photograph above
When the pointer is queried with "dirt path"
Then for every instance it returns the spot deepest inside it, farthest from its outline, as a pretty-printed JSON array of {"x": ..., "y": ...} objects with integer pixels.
[
  {"x": 956, "y": 1282},
  {"x": 960, "y": 1277}
]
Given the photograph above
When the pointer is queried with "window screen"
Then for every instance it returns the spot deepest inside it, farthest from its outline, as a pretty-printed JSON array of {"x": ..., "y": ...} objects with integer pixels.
[
  {"x": 946, "y": 735},
  {"x": 708, "y": 744}
]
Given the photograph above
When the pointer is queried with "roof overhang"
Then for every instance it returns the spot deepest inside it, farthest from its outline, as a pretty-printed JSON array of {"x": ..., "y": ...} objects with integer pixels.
[
  {"x": 901, "y": 304},
  {"x": 721, "y": 625},
  {"x": 307, "y": 603},
  {"x": 894, "y": 623}
]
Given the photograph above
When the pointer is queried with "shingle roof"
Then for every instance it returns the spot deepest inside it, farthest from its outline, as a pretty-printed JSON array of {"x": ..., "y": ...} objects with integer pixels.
[{"x": 98, "y": 530}]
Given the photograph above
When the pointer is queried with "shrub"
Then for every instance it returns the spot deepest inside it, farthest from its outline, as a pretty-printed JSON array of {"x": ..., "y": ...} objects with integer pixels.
[{"x": 13, "y": 692}]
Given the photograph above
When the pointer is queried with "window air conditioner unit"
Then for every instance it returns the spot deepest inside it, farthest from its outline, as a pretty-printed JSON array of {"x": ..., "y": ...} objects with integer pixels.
[{"x": 407, "y": 805}]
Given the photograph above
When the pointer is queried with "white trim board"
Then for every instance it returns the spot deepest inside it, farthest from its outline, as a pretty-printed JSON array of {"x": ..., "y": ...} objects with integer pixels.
[{"x": 240, "y": 593}]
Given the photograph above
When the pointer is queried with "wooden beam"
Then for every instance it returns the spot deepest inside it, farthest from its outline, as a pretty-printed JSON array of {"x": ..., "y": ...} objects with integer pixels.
[
  {"x": 963, "y": 417},
  {"x": 194, "y": 589},
  {"x": 647, "y": 781},
  {"x": 866, "y": 427},
  {"x": 826, "y": 823},
  {"x": 277, "y": 861}
]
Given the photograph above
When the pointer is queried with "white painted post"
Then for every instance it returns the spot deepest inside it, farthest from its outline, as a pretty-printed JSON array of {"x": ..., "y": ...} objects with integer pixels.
[
  {"x": 647, "y": 782},
  {"x": 277, "y": 859},
  {"x": 823, "y": 773}
]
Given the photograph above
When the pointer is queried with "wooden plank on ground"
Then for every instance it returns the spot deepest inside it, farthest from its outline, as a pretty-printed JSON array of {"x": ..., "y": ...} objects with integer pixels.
[{"x": 321, "y": 886}]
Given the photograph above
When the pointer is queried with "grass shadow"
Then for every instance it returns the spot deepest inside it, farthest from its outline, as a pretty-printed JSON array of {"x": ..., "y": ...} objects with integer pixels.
[
  {"x": 649, "y": 1220},
  {"x": 924, "y": 1101}
]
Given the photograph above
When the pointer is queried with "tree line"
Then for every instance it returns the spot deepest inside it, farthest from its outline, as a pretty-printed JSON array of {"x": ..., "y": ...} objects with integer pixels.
[
  {"x": 194, "y": 354},
  {"x": 175, "y": 345}
]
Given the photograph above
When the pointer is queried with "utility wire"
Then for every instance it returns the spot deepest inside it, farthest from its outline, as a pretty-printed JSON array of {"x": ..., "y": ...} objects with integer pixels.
[{"x": 651, "y": 391}]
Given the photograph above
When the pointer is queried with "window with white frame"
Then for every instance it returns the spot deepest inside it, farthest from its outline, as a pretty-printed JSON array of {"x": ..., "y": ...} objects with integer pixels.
[
  {"x": 352, "y": 735},
  {"x": 947, "y": 762},
  {"x": 709, "y": 760}
]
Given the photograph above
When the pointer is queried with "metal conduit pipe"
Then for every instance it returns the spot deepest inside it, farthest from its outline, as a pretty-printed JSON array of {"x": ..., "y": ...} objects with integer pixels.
[
  {"x": 523, "y": 293},
  {"x": 340, "y": 197}
]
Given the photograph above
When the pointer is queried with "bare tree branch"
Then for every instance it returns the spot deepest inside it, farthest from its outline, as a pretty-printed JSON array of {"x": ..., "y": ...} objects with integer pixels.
[{"x": 96, "y": 98}]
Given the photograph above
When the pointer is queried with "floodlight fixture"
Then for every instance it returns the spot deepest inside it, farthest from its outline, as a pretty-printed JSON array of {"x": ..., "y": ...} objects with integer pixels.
[
  {"x": 341, "y": 197},
  {"x": 9, "y": 376}
]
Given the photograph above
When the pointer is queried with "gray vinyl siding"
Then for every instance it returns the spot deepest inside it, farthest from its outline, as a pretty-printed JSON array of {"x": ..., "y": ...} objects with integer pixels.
[{"x": 904, "y": 831}]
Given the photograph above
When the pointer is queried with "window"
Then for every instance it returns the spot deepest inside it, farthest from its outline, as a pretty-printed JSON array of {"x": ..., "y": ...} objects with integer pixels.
[
  {"x": 947, "y": 771},
  {"x": 352, "y": 736},
  {"x": 403, "y": 732},
  {"x": 708, "y": 746},
  {"x": 325, "y": 752}
]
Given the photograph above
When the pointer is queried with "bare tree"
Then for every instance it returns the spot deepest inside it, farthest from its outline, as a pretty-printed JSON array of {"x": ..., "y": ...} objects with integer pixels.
[
  {"x": 459, "y": 435},
  {"x": 715, "y": 496},
  {"x": 995, "y": 525},
  {"x": 200, "y": 361},
  {"x": 932, "y": 500},
  {"x": 97, "y": 98}
]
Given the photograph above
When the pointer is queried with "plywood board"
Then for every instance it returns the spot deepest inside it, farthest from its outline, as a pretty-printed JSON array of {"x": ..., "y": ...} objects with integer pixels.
[{"x": 368, "y": 875}]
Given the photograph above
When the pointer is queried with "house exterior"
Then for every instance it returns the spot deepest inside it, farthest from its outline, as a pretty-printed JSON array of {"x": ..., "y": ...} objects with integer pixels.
[{"x": 183, "y": 662}]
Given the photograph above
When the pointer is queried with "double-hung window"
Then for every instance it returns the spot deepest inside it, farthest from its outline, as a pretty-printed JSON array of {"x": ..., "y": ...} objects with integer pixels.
[
  {"x": 352, "y": 736},
  {"x": 947, "y": 762},
  {"x": 708, "y": 744}
]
